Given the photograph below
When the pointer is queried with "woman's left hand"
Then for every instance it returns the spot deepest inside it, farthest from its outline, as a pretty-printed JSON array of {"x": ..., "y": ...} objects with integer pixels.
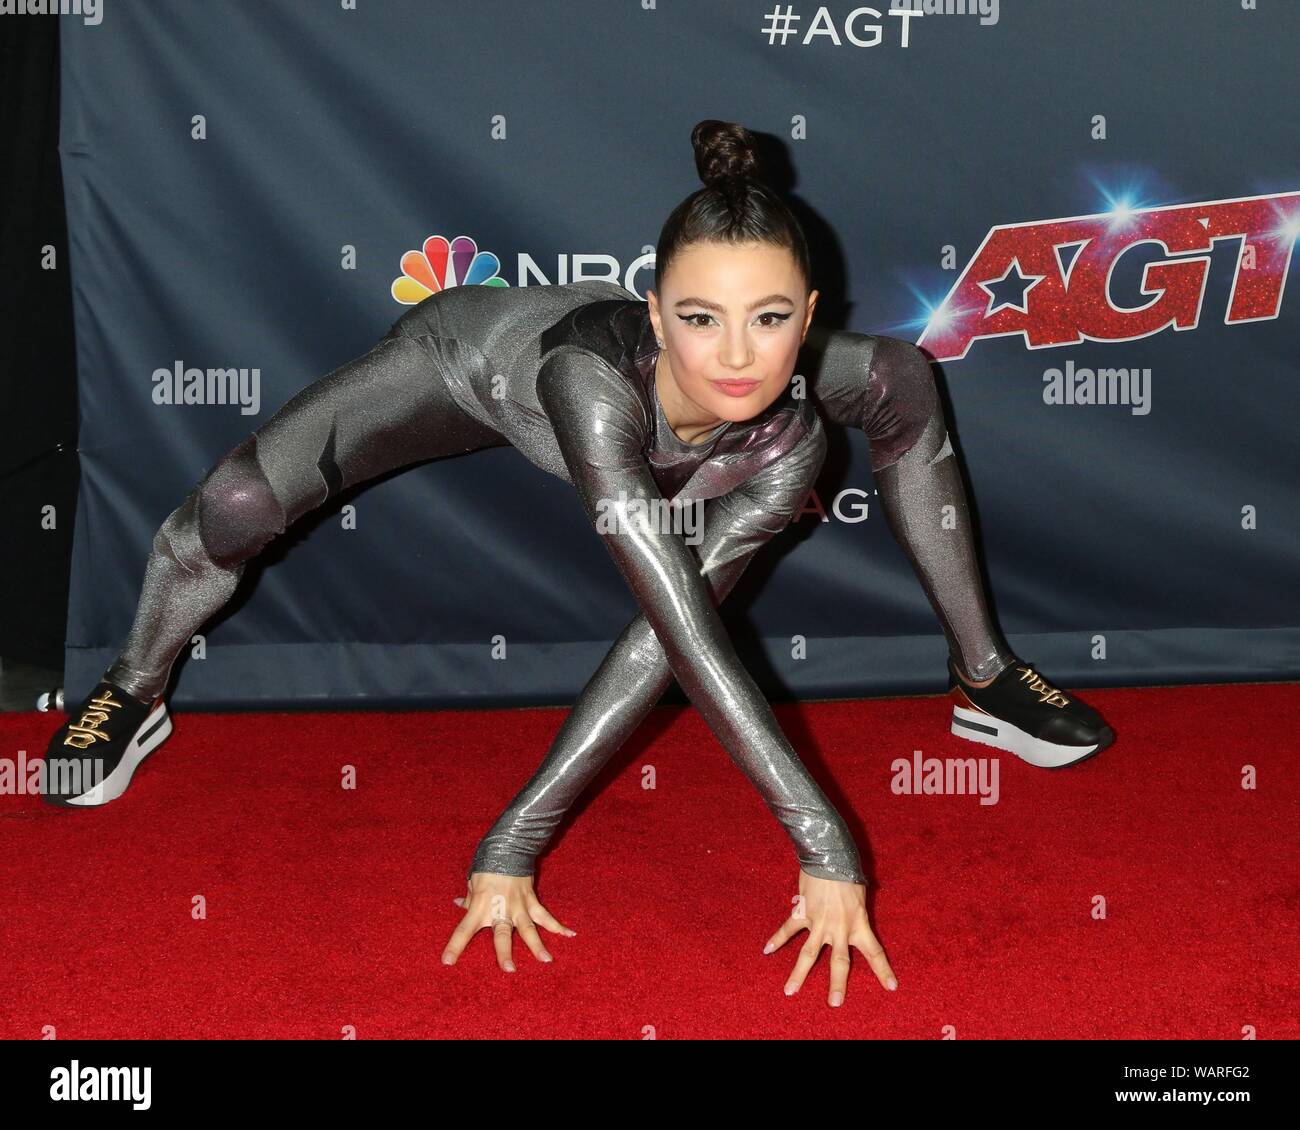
[{"x": 835, "y": 914}]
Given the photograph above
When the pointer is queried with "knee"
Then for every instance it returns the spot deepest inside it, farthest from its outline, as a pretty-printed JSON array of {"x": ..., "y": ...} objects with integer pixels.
[
  {"x": 905, "y": 400},
  {"x": 229, "y": 516}
]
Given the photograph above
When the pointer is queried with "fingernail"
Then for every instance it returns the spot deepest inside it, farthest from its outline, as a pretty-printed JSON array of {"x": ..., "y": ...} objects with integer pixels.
[
  {"x": 789, "y": 990},
  {"x": 510, "y": 967},
  {"x": 837, "y": 999},
  {"x": 448, "y": 960},
  {"x": 571, "y": 933},
  {"x": 891, "y": 984},
  {"x": 768, "y": 948},
  {"x": 546, "y": 956}
]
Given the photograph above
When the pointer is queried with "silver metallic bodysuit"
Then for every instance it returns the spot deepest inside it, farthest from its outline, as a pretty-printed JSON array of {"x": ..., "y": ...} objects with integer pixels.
[{"x": 566, "y": 375}]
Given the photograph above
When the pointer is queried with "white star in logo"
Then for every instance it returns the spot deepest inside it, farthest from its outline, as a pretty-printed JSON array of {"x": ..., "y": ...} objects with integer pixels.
[{"x": 1021, "y": 306}]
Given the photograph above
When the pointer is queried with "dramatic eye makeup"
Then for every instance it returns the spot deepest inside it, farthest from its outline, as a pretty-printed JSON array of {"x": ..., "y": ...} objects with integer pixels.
[{"x": 781, "y": 319}]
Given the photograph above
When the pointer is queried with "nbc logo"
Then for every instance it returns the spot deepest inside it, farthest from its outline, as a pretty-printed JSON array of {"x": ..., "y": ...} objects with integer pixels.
[{"x": 439, "y": 264}]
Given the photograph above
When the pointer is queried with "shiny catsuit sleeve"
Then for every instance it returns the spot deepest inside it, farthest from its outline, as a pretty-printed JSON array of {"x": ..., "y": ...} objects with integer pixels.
[{"x": 601, "y": 431}]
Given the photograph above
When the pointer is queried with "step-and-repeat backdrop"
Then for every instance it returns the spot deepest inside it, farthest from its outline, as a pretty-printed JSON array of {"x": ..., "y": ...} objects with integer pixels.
[{"x": 1083, "y": 210}]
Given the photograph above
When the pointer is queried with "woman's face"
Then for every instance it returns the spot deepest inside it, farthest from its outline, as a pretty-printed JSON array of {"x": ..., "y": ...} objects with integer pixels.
[{"x": 732, "y": 318}]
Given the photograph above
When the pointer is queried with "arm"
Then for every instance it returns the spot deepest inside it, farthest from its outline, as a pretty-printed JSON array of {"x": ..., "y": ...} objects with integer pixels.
[
  {"x": 882, "y": 385},
  {"x": 600, "y": 437},
  {"x": 635, "y": 673}
]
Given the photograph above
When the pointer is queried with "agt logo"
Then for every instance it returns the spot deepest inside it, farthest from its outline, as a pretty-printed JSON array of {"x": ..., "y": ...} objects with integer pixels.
[
  {"x": 1049, "y": 280},
  {"x": 439, "y": 264}
]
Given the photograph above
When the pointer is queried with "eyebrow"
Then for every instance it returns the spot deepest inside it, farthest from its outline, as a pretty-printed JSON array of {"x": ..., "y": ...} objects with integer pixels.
[{"x": 722, "y": 310}]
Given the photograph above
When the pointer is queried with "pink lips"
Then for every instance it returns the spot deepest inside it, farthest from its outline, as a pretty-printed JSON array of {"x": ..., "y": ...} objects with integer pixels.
[{"x": 736, "y": 388}]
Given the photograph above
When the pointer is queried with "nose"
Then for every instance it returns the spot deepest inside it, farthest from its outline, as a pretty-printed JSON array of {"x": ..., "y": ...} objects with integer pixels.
[{"x": 735, "y": 352}]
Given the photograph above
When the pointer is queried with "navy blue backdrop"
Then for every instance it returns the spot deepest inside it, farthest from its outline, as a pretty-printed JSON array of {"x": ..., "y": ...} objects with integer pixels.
[{"x": 1049, "y": 196}]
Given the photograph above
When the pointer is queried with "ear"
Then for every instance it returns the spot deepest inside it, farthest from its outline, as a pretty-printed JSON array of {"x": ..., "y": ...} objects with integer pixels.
[
  {"x": 652, "y": 300},
  {"x": 813, "y": 295}
]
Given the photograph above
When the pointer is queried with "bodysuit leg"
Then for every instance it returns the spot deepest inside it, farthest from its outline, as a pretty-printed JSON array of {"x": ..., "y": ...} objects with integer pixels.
[
  {"x": 383, "y": 410},
  {"x": 885, "y": 386}
]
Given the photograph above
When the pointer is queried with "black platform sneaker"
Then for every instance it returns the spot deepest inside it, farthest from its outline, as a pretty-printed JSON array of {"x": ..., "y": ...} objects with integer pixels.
[
  {"x": 1024, "y": 714},
  {"x": 93, "y": 755}
]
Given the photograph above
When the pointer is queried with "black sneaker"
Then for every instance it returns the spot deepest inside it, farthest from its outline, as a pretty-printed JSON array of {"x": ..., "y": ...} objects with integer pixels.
[
  {"x": 93, "y": 755},
  {"x": 1024, "y": 714}
]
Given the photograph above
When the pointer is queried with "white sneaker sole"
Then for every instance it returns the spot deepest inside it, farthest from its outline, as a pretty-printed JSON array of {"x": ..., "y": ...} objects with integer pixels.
[
  {"x": 977, "y": 726},
  {"x": 153, "y": 731}
]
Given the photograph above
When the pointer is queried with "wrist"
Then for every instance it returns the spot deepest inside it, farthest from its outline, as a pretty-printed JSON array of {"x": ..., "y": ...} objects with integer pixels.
[
  {"x": 501, "y": 865},
  {"x": 836, "y": 873}
]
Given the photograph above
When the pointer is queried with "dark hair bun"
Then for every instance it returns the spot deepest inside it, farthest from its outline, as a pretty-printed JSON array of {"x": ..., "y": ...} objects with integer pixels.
[{"x": 723, "y": 150}]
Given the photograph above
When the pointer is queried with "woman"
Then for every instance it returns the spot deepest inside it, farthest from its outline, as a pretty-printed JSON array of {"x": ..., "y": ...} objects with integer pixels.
[{"x": 685, "y": 398}]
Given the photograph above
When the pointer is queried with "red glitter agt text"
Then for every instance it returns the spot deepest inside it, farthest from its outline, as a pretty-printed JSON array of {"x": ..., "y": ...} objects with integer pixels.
[{"x": 1065, "y": 307}]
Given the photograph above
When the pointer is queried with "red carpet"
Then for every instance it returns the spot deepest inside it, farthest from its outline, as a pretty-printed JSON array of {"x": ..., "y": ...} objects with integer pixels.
[{"x": 328, "y": 908}]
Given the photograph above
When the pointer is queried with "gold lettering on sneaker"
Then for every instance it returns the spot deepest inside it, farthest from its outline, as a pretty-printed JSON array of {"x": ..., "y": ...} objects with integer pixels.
[
  {"x": 1048, "y": 695},
  {"x": 85, "y": 731}
]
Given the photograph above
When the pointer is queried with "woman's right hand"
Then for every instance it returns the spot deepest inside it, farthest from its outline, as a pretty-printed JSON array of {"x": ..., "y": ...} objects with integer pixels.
[{"x": 503, "y": 903}]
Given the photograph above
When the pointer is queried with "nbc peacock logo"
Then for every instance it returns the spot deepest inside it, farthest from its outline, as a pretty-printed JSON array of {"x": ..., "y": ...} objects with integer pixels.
[{"x": 439, "y": 264}]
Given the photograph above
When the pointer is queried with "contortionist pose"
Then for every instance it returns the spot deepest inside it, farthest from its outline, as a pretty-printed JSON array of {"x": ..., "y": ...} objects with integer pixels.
[{"x": 687, "y": 397}]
